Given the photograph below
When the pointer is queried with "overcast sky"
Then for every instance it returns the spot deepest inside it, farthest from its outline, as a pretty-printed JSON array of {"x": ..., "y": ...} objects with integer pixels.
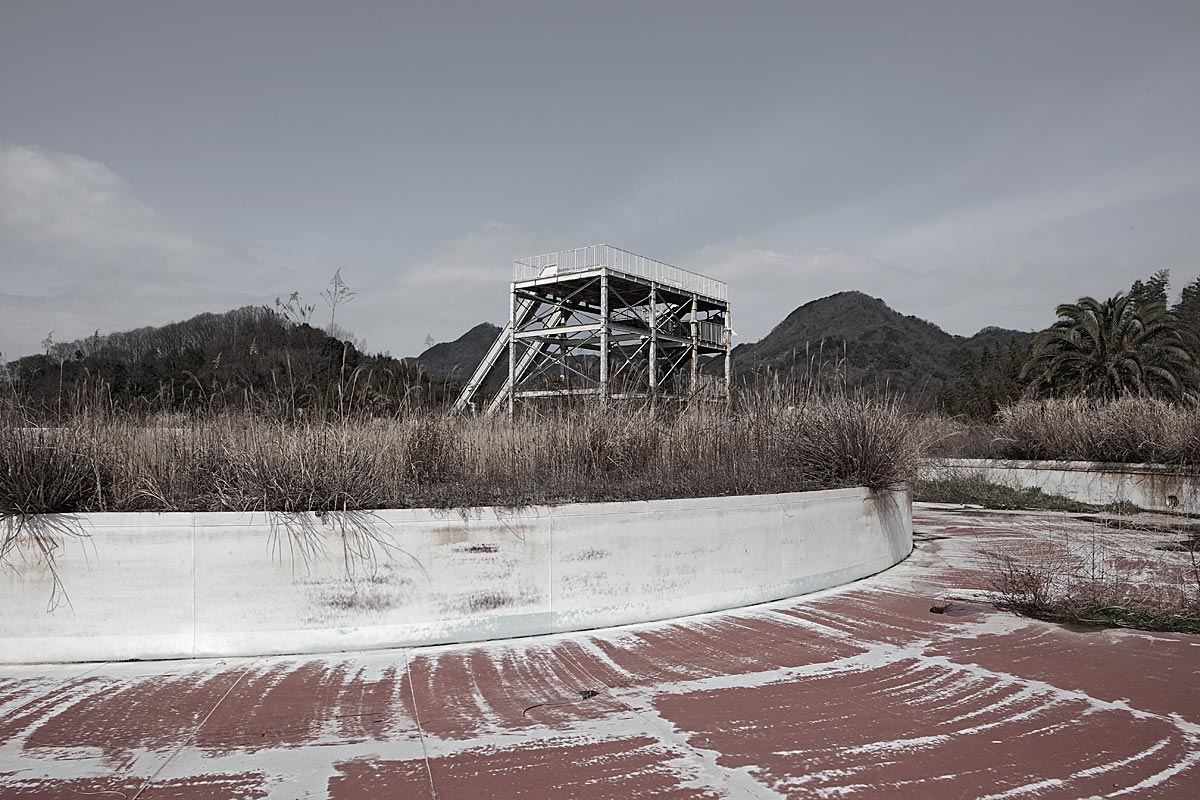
[{"x": 973, "y": 164}]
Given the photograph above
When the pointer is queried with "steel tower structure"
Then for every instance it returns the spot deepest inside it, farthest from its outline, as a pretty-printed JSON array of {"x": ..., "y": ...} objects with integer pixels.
[{"x": 603, "y": 321}]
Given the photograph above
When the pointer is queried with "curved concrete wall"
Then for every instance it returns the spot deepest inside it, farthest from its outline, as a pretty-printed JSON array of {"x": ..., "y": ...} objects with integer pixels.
[
  {"x": 1154, "y": 487},
  {"x": 182, "y": 585}
]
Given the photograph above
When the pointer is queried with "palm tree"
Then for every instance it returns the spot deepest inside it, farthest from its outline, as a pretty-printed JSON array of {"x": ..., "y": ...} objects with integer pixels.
[{"x": 1111, "y": 349}]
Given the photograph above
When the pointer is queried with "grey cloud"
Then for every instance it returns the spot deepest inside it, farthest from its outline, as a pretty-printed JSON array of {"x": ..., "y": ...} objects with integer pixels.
[
  {"x": 971, "y": 163},
  {"x": 84, "y": 252}
]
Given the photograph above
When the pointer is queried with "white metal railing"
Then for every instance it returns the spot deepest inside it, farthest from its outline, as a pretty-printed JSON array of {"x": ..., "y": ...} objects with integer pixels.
[{"x": 603, "y": 255}]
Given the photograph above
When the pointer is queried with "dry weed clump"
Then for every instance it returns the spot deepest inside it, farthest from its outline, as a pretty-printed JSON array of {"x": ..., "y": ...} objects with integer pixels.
[
  {"x": 772, "y": 440},
  {"x": 1122, "y": 577},
  {"x": 51, "y": 470},
  {"x": 46, "y": 472},
  {"x": 1127, "y": 430},
  {"x": 843, "y": 440},
  {"x": 956, "y": 437}
]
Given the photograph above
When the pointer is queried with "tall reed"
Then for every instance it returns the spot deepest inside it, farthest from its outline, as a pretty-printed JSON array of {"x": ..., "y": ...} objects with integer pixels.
[
  {"x": 772, "y": 439},
  {"x": 1127, "y": 430}
]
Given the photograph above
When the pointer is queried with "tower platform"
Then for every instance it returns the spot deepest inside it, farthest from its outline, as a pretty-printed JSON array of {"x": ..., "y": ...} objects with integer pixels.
[{"x": 606, "y": 322}]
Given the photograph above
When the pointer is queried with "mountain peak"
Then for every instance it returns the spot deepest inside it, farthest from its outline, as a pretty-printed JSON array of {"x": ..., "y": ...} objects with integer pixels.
[
  {"x": 457, "y": 360},
  {"x": 873, "y": 343}
]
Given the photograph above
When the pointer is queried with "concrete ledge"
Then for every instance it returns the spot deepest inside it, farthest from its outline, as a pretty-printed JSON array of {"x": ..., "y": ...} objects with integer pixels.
[
  {"x": 1155, "y": 487},
  {"x": 143, "y": 586}
]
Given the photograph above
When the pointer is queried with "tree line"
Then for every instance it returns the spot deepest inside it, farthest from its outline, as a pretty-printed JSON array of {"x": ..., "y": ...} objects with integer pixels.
[
  {"x": 1130, "y": 344},
  {"x": 266, "y": 359},
  {"x": 274, "y": 359}
]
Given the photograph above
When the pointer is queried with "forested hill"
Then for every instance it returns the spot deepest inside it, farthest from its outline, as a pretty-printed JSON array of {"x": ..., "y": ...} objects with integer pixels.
[
  {"x": 875, "y": 346},
  {"x": 456, "y": 360},
  {"x": 249, "y": 357},
  {"x": 257, "y": 357}
]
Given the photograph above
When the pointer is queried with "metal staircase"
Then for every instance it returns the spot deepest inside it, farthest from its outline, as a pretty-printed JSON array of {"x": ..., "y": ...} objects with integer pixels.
[{"x": 523, "y": 311}]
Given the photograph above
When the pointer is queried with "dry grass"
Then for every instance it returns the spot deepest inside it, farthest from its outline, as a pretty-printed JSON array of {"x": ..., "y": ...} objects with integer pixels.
[
  {"x": 776, "y": 439},
  {"x": 49, "y": 470},
  {"x": 1129, "y": 430}
]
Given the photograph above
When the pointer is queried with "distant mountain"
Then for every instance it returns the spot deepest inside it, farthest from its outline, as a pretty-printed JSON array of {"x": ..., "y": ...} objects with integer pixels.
[
  {"x": 246, "y": 358},
  {"x": 877, "y": 346},
  {"x": 255, "y": 357},
  {"x": 456, "y": 360},
  {"x": 996, "y": 338}
]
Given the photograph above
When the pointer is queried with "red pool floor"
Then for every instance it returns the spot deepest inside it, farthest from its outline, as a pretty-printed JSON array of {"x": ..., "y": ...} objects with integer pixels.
[{"x": 860, "y": 691}]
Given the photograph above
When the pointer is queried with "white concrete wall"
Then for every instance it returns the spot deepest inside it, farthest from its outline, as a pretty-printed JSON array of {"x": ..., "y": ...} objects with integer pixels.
[
  {"x": 180, "y": 585},
  {"x": 1154, "y": 487}
]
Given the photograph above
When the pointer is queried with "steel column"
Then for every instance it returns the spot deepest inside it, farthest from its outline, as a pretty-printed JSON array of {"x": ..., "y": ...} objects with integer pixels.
[
  {"x": 653, "y": 323},
  {"x": 512, "y": 351},
  {"x": 728, "y": 335},
  {"x": 695, "y": 349},
  {"x": 604, "y": 336}
]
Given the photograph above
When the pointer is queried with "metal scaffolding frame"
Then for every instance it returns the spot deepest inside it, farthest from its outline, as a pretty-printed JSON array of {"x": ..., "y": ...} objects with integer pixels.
[{"x": 605, "y": 322}]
